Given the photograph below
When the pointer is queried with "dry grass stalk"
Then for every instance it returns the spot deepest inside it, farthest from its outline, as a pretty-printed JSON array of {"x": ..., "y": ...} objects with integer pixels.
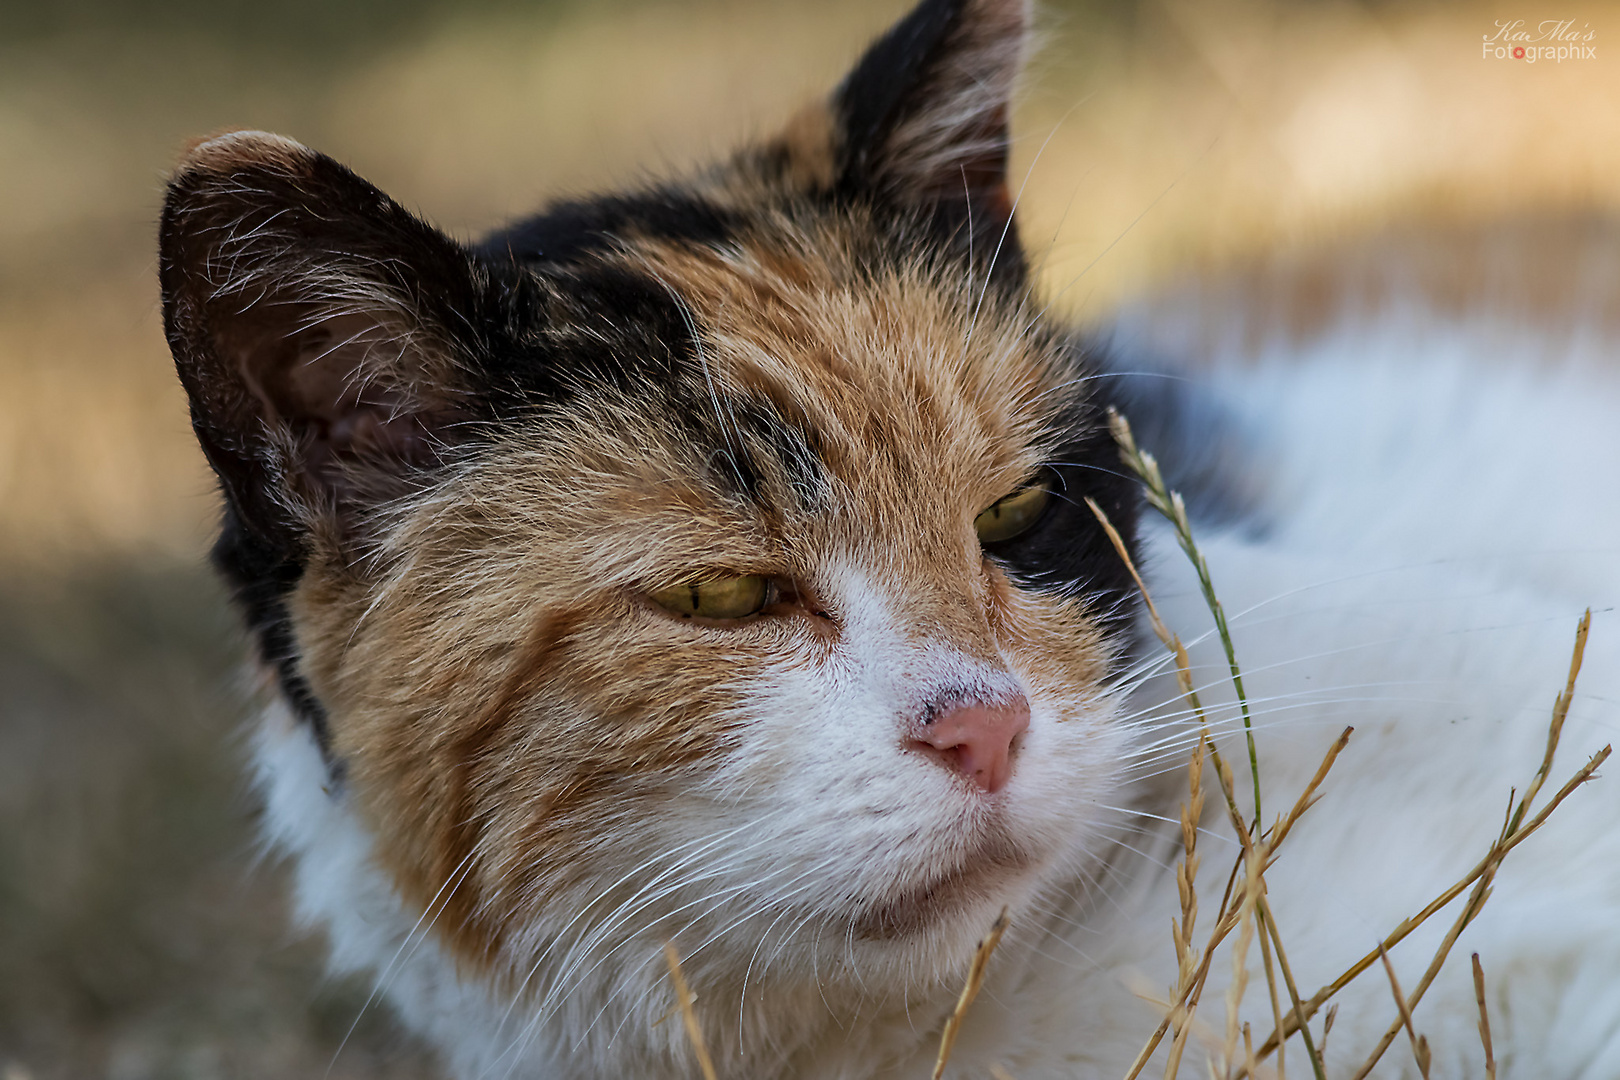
[
  {"x": 1476, "y": 901},
  {"x": 1276, "y": 1011},
  {"x": 1184, "y": 679},
  {"x": 975, "y": 979},
  {"x": 1181, "y": 1020},
  {"x": 1259, "y": 849},
  {"x": 1173, "y": 508},
  {"x": 1515, "y": 831},
  {"x": 1252, "y": 887},
  {"x": 1484, "y": 1020},
  {"x": 1555, "y": 729},
  {"x": 1185, "y": 994},
  {"x": 1183, "y": 662},
  {"x": 1269, "y": 923},
  {"x": 1170, "y": 505},
  {"x": 1192, "y": 811},
  {"x": 1406, "y": 927},
  {"x": 1180, "y": 1012},
  {"x": 1420, "y": 1045},
  {"x": 1307, "y": 798},
  {"x": 685, "y": 998},
  {"x": 997, "y": 1072}
]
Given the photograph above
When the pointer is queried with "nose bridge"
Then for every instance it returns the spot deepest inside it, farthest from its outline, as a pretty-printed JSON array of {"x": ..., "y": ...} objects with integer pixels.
[
  {"x": 952, "y": 615},
  {"x": 950, "y": 652},
  {"x": 957, "y": 701}
]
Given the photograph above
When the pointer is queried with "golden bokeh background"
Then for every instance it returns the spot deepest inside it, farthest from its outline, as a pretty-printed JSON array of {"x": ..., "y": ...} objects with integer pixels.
[{"x": 1212, "y": 171}]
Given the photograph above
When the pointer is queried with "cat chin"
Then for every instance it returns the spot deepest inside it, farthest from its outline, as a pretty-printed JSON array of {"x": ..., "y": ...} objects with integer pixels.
[
  {"x": 979, "y": 884},
  {"x": 914, "y": 888}
]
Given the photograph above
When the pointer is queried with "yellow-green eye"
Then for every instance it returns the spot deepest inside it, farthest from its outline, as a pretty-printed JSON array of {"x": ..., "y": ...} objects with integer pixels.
[
  {"x": 717, "y": 598},
  {"x": 1008, "y": 517}
]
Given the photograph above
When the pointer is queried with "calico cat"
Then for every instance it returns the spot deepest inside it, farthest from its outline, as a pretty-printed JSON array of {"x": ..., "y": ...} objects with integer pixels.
[{"x": 710, "y": 563}]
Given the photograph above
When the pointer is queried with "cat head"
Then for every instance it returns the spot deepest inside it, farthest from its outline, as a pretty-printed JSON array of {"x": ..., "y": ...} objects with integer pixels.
[{"x": 708, "y": 561}]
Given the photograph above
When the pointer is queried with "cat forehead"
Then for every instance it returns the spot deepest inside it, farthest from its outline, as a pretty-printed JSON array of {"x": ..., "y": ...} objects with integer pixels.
[
  {"x": 806, "y": 405},
  {"x": 793, "y": 292},
  {"x": 797, "y": 359}
]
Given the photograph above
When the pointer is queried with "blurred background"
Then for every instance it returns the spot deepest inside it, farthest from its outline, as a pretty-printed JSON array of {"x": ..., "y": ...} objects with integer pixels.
[{"x": 1205, "y": 172}]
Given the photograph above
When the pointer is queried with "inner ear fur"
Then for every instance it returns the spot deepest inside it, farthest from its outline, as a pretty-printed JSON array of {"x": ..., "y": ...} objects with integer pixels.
[
  {"x": 922, "y": 119},
  {"x": 313, "y": 322}
]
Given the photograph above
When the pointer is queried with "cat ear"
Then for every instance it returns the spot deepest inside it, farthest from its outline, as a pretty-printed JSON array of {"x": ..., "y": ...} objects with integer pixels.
[
  {"x": 319, "y": 330},
  {"x": 921, "y": 121}
]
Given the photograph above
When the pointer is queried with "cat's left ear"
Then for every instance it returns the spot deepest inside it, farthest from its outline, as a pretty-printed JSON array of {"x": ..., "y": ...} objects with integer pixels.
[{"x": 921, "y": 121}]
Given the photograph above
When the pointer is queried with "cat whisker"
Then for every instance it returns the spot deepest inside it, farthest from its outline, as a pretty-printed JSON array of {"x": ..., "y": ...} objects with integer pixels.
[
  {"x": 1007, "y": 226},
  {"x": 407, "y": 947},
  {"x": 701, "y": 845}
]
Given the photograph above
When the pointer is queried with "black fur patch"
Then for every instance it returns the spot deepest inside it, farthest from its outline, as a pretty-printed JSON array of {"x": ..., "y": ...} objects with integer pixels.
[
  {"x": 559, "y": 333},
  {"x": 754, "y": 445},
  {"x": 260, "y": 578},
  {"x": 569, "y": 231},
  {"x": 878, "y": 92},
  {"x": 1067, "y": 550},
  {"x": 897, "y": 82}
]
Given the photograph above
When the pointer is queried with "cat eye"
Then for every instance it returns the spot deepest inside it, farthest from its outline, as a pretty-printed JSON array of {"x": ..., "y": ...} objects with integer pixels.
[
  {"x": 1014, "y": 514},
  {"x": 735, "y": 597}
]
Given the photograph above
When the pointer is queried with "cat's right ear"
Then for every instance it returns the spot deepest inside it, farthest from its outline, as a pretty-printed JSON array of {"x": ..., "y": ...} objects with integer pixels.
[
  {"x": 320, "y": 331},
  {"x": 920, "y": 124}
]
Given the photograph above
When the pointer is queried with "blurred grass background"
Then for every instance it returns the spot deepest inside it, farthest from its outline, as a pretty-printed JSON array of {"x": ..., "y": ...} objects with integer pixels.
[{"x": 1247, "y": 167}]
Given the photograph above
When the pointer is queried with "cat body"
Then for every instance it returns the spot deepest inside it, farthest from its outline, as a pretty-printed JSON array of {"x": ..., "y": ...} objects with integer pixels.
[{"x": 712, "y": 565}]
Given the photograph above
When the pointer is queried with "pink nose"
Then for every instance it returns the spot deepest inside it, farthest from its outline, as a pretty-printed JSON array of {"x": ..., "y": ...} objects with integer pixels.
[{"x": 975, "y": 739}]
